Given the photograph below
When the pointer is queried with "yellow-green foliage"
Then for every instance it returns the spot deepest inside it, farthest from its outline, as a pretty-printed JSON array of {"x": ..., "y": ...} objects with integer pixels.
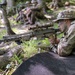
[
  {"x": 13, "y": 20},
  {"x": 46, "y": 42},
  {"x": 2, "y": 33},
  {"x": 72, "y": 1},
  {"x": 15, "y": 57},
  {"x": 30, "y": 48}
]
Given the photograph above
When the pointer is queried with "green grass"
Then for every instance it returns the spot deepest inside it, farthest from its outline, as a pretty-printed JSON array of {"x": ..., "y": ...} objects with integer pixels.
[
  {"x": 30, "y": 47},
  {"x": 13, "y": 20},
  {"x": 15, "y": 57},
  {"x": 2, "y": 33}
]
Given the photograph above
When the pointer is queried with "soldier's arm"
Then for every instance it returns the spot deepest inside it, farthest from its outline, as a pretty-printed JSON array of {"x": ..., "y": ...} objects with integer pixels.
[{"x": 67, "y": 44}]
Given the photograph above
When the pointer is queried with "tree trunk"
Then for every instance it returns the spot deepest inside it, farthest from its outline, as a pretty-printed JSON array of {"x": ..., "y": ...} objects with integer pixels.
[
  {"x": 10, "y": 5},
  {"x": 8, "y": 27},
  {"x": 7, "y": 23},
  {"x": 56, "y": 4},
  {"x": 43, "y": 4}
]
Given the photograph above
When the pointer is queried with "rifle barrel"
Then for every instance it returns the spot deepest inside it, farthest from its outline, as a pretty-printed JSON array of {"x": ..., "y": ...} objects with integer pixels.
[{"x": 27, "y": 36}]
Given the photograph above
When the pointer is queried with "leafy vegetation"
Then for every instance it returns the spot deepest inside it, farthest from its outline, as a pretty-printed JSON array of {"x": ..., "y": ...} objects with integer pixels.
[
  {"x": 72, "y": 2},
  {"x": 30, "y": 48},
  {"x": 2, "y": 33}
]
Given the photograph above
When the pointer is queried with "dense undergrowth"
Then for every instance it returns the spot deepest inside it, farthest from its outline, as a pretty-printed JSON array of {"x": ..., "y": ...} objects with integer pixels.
[{"x": 29, "y": 47}]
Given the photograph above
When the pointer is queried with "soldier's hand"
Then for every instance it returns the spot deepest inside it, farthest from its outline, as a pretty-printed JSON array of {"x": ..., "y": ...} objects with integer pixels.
[{"x": 53, "y": 39}]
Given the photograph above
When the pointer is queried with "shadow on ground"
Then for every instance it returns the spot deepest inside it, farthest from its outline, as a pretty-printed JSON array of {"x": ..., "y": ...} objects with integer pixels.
[{"x": 47, "y": 64}]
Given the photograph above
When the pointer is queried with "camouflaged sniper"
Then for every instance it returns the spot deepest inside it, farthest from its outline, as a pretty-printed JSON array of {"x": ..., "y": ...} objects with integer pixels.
[{"x": 67, "y": 44}]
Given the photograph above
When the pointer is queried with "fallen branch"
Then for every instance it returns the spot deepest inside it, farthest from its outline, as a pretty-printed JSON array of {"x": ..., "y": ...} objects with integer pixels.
[{"x": 6, "y": 58}]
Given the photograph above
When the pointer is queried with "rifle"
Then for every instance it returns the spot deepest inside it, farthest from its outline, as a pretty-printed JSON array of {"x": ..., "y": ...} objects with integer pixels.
[{"x": 35, "y": 31}]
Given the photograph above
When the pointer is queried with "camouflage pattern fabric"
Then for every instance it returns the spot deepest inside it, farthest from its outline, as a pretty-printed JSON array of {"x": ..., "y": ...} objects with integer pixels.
[
  {"x": 67, "y": 43},
  {"x": 66, "y": 14}
]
